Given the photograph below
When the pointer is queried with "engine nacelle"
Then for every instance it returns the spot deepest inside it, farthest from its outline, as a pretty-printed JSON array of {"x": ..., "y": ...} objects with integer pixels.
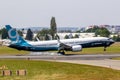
[{"x": 77, "y": 48}]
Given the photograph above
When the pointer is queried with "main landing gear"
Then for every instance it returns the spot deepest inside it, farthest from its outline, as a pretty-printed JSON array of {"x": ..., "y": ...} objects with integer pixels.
[{"x": 61, "y": 52}]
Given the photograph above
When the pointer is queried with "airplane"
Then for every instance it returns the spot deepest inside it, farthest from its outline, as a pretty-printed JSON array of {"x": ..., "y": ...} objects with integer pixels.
[{"x": 63, "y": 45}]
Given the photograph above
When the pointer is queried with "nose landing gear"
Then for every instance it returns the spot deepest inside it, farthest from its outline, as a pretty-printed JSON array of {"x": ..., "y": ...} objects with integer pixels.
[{"x": 105, "y": 48}]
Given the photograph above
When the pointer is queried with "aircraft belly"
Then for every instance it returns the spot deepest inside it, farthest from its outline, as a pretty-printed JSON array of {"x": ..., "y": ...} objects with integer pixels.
[{"x": 43, "y": 48}]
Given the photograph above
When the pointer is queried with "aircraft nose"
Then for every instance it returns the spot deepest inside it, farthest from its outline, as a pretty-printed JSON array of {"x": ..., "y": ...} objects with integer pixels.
[{"x": 112, "y": 41}]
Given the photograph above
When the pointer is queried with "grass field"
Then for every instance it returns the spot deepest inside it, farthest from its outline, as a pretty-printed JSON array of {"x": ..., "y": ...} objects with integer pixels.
[
  {"x": 116, "y": 58},
  {"x": 115, "y": 48},
  {"x": 43, "y": 70},
  {"x": 10, "y": 51}
]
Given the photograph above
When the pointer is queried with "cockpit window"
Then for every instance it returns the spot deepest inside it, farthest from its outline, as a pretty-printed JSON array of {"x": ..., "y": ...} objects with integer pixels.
[{"x": 109, "y": 38}]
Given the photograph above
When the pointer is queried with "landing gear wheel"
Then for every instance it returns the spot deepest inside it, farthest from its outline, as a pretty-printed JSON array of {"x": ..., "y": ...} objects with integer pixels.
[{"x": 61, "y": 52}]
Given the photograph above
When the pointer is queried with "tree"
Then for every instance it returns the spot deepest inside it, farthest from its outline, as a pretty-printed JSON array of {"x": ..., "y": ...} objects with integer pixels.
[
  {"x": 47, "y": 37},
  {"x": 94, "y": 29},
  {"x": 20, "y": 33},
  {"x": 66, "y": 37},
  {"x": 99, "y": 31},
  {"x": 44, "y": 34},
  {"x": 78, "y": 31},
  {"x": 4, "y": 33},
  {"x": 76, "y": 36},
  {"x": 103, "y": 32},
  {"x": 57, "y": 37},
  {"x": 29, "y": 35},
  {"x": 116, "y": 38},
  {"x": 0, "y": 31},
  {"x": 53, "y": 27}
]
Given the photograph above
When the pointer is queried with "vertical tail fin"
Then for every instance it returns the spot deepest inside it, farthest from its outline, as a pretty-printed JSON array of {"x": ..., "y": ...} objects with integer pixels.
[{"x": 13, "y": 35}]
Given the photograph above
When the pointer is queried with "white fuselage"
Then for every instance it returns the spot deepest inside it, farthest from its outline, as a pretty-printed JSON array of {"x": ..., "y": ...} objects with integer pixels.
[{"x": 71, "y": 42}]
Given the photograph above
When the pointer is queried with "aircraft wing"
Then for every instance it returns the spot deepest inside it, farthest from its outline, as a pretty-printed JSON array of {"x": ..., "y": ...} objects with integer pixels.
[
  {"x": 69, "y": 47},
  {"x": 63, "y": 46}
]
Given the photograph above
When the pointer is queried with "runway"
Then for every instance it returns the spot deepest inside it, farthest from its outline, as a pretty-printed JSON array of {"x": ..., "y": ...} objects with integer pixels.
[
  {"x": 103, "y": 60},
  {"x": 63, "y": 57}
]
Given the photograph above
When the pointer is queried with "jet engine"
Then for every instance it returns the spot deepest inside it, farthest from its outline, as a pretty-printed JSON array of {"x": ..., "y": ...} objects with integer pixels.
[{"x": 77, "y": 48}]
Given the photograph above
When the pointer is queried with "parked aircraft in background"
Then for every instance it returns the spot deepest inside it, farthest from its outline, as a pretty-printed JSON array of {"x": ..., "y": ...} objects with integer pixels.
[{"x": 77, "y": 44}]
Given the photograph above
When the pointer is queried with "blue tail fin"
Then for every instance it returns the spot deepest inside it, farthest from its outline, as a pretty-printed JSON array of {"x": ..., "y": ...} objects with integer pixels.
[{"x": 13, "y": 35}]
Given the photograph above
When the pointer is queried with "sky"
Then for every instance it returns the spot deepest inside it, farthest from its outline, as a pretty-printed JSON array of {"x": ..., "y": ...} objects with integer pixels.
[{"x": 68, "y": 13}]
